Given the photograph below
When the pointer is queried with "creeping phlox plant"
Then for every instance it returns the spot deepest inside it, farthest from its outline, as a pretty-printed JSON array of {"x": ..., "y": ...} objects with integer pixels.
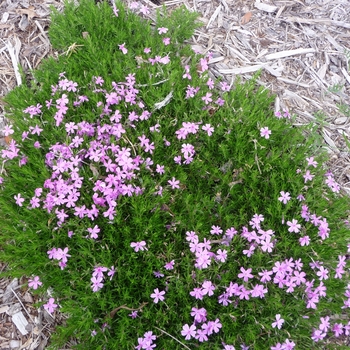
[{"x": 215, "y": 226}]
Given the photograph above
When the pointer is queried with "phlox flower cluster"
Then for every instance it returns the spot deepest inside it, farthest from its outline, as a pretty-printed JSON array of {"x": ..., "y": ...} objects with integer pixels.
[
  {"x": 201, "y": 328},
  {"x": 98, "y": 277},
  {"x": 147, "y": 341},
  {"x": 59, "y": 254}
]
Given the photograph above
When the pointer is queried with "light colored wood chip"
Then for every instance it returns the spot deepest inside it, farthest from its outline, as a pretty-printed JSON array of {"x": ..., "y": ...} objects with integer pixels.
[
  {"x": 265, "y": 7},
  {"x": 288, "y": 53},
  {"x": 20, "y": 322}
]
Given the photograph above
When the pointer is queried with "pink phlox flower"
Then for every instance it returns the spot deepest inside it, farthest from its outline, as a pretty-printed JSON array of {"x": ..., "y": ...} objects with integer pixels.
[
  {"x": 249, "y": 252},
  {"x": 188, "y": 331},
  {"x": 208, "y": 128},
  {"x": 208, "y": 288},
  {"x": 201, "y": 335},
  {"x": 96, "y": 283},
  {"x": 191, "y": 236},
  {"x": 165, "y": 59},
  {"x": 285, "y": 197},
  {"x": 200, "y": 315},
  {"x": 115, "y": 10},
  {"x": 174, "y": 183},
  {"x": 111, "y": 273},
  {"x": 317, "y": 335},
  {"x": 245, "y": 274},
  {"x": 210, "y": 83},
  {"x": 169, "y": 265},
  {"x": 322, "y": 273},
  {"x": 207, "y": 98},
  {"x": 162, "y": 30},
  {"x": 244, "y": 293},
  {"x": 62, "y": 254},
  {"x": 94, "y": 232},
  {"x": 279, "y": 322},
  {"x": 258, "y": 291},
  {"x": 311, "y": 162},
  {"x": 138, "y": 246},
  {"x": 216, "y": 230},
  {"x": 8, "y": 130},
  {"x": 324, "y": 325},
  {"x": 308, "y": 176},
  {"x": 203, "y": 259},
  {"x": 157, "y": 295},
  {"x": 265, "y": 132},
  {"x": 197, "y": 293},
  {"x": 304, "y": 241},
  {"x": 293, "y": 226},
  {"x": 133, "y": 314},
  {"x": 221, "y": 255},
  {"x": 19, "y": 200},
  {"x": 34, "y": 283},
  {"x": 228, "y": 347},
  {"x": 220, "y": 102},
  {"x": 166, "y": 41},
  {"x": 50, "y": 306},
  {"x": 123, "y": 48},
  {"x": 204, "y": 65},
  {"x": 98, "y": 271}
]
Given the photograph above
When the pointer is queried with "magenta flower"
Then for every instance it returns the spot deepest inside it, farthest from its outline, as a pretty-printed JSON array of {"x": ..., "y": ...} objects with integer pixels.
[
  {"x": 322, "y": 273},
  {"x": 34, "y": 283},
  {"x": 157, "y": 295},
  {"x": 293, "y": 226},
  {"x": 311, "y": 162},
  {"x": 317, "y": 335},
  {"x": 324, "y": 325},
  {"x": 50, "y": 306},
  {"x": 162, "y": 30},
  {"x": 265, "y": 132},
  {"x": 207, "y": 98},
  {"x": 308, "y": 176},
  {"x": 279, "y": 322},
  {"x": 285, "y": 197},
  {"x": 123, "y": 48},
  {"x": 19, "y": 200},
  {"x": 169, "y": 265},
  {"x": 96, "y": 283},
  {"x": 245, "y": 274},
  {"x": 174, "y": 183},
  {"x": 138, "y": 246},
  {"x": 188, "y": 331}
]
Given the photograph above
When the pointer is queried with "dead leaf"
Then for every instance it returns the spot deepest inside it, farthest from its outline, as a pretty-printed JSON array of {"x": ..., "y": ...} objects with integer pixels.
[
  {"x": 246, "y": 18},
  {"x": 29, "y": 12},
  {"x": 8, "y": 139}
]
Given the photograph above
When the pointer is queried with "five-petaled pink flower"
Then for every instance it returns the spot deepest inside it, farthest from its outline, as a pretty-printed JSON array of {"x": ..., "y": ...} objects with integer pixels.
[
  {"x": 34, "y": 283},
  {"x": 50, "y": 306},
  {"x": 123, "y": 48},
  {"x": 188, "y": 331},
  {"x": 19, "y": 200},
  {"x": 174, "y": 183},
  {"x": 265, "y": 132},
  {"x": 138, "y": 246},
  {"x": 285, "y": 197},
  {"x": 293, "y": 226},
  {"x": 279, "y": 322},
  {"x": 162, "y": 30},
  {"x": 157, "y": 295},
  {"x": 245, "y": 274}
]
